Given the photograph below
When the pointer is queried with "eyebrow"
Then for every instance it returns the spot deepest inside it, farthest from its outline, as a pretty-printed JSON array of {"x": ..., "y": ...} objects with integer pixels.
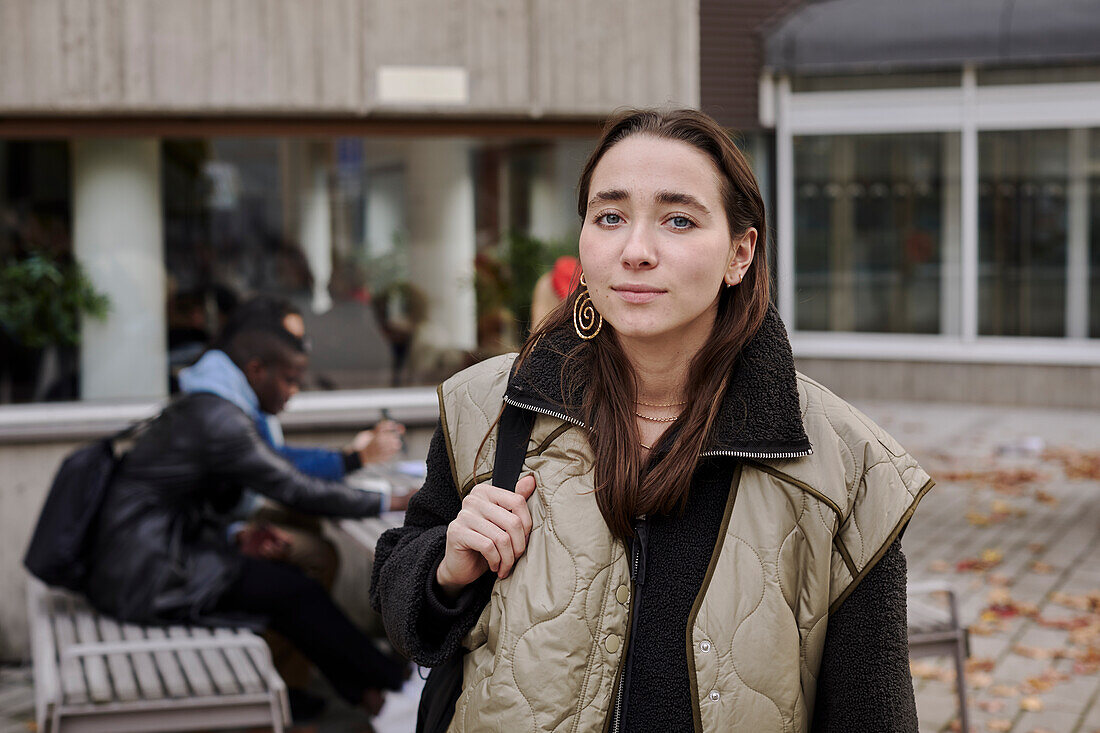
[
  {"x": 613, "y": 195},
  {"x": 681, "y": 199},
  {"x": 678, "y": 198}
]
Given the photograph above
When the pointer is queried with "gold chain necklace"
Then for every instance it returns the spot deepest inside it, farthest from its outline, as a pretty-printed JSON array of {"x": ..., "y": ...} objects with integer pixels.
[
  {"x": 654, "y": 404},
  {"x": 656, "y": 419}
]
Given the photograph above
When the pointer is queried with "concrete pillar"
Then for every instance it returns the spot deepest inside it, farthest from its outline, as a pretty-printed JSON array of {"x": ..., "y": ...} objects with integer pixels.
[
  {"x": 315, "y": 223},
  {"x": 385, "y": 210},
  {"x": 545, "y": 221},
  {"x": 118, "y": 236},
  {"x": 440, "y": 198},
  {"x": 553, "y": 203}
]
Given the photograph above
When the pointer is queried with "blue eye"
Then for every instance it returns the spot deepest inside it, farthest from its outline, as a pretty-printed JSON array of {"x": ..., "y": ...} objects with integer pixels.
[
  {"x": 681, "y": 222},
  {"x": 611, "y": 219}
]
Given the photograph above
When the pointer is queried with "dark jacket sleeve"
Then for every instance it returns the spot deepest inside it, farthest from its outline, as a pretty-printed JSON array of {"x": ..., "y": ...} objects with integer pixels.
[
  {"x": 864, "y": 683},
  {"x": 420, "y": 621},
  {"x": 234, "y": 450}
]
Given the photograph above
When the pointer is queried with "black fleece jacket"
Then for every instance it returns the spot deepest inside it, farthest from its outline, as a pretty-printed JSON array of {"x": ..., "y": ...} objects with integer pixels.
[{"x": 863, "y": 683}]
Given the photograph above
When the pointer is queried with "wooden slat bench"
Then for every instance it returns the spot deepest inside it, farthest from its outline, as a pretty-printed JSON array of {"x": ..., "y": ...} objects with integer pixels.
[{"x": 93, "y": 674}]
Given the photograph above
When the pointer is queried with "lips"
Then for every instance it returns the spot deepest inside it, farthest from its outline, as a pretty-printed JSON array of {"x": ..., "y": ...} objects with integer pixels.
[{"x": 638, "y": 294}]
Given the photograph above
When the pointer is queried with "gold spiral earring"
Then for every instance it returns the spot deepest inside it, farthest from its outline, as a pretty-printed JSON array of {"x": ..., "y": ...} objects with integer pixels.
[{"x": 587, "y": 321}]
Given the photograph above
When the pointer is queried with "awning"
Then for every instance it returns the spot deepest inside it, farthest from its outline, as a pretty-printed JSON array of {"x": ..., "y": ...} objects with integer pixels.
[{"x": 839, "y": 36}]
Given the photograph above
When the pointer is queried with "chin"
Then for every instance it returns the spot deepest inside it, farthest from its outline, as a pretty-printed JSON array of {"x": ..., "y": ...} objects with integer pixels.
[{"x": 642, "y": 330}]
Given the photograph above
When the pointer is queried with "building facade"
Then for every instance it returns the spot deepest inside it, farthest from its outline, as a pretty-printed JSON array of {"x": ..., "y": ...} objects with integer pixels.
[
  {"x": 937, "y": 181},
  {"x": 403, "y": 172}
]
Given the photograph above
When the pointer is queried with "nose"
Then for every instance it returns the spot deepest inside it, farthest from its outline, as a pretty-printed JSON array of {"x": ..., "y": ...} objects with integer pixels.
[{"x": 640, "y": 250}]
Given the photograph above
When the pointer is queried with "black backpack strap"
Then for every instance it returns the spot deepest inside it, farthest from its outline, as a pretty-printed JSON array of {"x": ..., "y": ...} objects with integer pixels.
[
  {"x": 513, "y": 432},
  {"x": 135, "y": 427},
  {"x": 444, "y": 683}
]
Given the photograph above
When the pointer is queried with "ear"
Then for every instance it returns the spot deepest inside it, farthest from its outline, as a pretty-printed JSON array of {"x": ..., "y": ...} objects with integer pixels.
[
  {"x": 254, "y": 371},
  {"x": 741, "y": 254}
]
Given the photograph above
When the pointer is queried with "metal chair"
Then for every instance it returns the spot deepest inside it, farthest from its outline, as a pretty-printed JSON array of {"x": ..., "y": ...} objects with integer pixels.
[{"x": 934, "y": 630}]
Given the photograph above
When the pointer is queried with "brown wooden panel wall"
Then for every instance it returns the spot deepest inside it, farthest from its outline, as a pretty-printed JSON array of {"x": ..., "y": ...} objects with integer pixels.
[{"x": 731, "y": 52}]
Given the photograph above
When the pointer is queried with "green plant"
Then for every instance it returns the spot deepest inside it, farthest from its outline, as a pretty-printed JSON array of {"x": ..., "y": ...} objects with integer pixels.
[
  {"x": 528, "y": 259},
  {"x": 42, "y": 300}
]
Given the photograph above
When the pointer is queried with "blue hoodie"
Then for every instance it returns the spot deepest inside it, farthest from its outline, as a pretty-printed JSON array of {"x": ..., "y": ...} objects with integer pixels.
[{"x": 216, "y": 373}]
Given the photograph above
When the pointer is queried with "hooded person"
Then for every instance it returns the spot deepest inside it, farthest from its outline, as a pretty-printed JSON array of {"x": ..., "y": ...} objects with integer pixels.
[{"x": 161, "y": 552}]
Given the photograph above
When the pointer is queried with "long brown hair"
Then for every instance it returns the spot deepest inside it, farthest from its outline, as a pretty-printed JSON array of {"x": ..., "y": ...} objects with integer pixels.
[{"x": 624, "y": 488}]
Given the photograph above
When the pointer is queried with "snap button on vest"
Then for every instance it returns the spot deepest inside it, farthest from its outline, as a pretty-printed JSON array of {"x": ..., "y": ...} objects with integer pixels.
[
  {"x": 622, "y": 594},
  {"x": 705, "y": 646},
  {"x": 611, "y": 644},
  {"x": 714, "y": 695}
]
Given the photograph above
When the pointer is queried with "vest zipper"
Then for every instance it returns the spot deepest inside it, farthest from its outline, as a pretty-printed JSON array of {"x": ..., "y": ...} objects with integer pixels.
[
  {"x": 753, "y": 454},
  {"x": 638, "y": 551},
  {"x": 544, "y": 411}
]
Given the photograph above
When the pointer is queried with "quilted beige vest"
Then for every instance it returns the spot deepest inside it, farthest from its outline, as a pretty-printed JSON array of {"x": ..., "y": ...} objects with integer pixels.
[{"x": 796, "y": 537}]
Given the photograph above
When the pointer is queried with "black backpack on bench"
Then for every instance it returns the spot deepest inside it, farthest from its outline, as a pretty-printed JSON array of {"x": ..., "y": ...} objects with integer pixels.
[
  {"x": 57, "y": 551},
  {"x": 444, "y": 683}
]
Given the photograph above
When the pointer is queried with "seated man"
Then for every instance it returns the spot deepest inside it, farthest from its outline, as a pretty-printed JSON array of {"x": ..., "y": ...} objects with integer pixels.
[
  {"x": 270, "y": 530},
  {"x": 160, "y": 552},
  {"x": 262, "y": 312}
]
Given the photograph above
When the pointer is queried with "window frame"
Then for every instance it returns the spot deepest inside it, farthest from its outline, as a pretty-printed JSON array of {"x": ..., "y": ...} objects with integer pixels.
[{"x": 967, "y": 109}]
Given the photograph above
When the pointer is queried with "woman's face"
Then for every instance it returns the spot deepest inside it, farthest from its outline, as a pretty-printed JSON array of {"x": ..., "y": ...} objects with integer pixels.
[{"x": 655, "y": 245}]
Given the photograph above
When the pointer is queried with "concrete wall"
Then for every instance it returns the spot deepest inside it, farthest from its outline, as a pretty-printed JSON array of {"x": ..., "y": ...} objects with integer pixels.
[
  {"x": 27, "y": 471},
  {"x": 541, "y": 57},
  {"x": 990, "y": 384}
]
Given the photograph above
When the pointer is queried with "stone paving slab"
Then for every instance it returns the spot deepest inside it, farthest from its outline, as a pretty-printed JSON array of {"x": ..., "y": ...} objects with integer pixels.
[
  {"x": 1044, "y": 544},
  {"x": 1003, "y": 493}
]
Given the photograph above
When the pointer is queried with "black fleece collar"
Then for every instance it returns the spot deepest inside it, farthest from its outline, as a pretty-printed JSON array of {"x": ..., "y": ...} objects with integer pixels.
[{"x": 759, "y": 416}]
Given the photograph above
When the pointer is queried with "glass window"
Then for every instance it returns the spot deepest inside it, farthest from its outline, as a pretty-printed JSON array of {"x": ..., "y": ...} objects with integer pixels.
[
  {"x": 892, "y": 80},
  {"x": 409, "y": 258},
  {"x": 1022, "y": 207},
  {"x": 1038, "y": 75},
  {"x": 876, "y": 222},
  {"x": 38, "y": 332}
]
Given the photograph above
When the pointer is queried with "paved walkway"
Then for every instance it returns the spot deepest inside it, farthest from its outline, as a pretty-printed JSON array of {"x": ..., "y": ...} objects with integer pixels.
[{"x": 1013, "y": 524}]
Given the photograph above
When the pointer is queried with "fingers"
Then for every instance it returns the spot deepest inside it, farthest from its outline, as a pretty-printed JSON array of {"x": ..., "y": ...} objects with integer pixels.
[
  {"x": 501, "y": 516},
  {"x": 525, "y": 487},
  {"x": 464, "y": 533},
  {"x": 501, "y": 554},
  {"x": 510, "y": 500},
  {"x": 515, "y": 530},
  {"x": 493, "y": 526}
]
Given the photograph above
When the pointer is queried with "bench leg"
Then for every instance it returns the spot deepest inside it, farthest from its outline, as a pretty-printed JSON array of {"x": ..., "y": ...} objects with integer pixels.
[
  {"x": 960, "y": 681},
  {"x": 276, "y": 716}
]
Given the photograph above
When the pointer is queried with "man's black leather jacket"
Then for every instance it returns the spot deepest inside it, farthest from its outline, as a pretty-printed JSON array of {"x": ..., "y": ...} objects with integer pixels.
[{"x": 160, "y": 550}]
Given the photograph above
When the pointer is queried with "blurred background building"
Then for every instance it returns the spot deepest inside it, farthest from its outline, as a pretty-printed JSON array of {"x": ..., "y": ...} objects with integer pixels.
[{"x": 404, "y": 171}]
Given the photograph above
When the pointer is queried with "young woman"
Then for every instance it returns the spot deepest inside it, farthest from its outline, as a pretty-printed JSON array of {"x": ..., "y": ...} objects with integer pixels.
[{"x": 703, "y": 539}]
